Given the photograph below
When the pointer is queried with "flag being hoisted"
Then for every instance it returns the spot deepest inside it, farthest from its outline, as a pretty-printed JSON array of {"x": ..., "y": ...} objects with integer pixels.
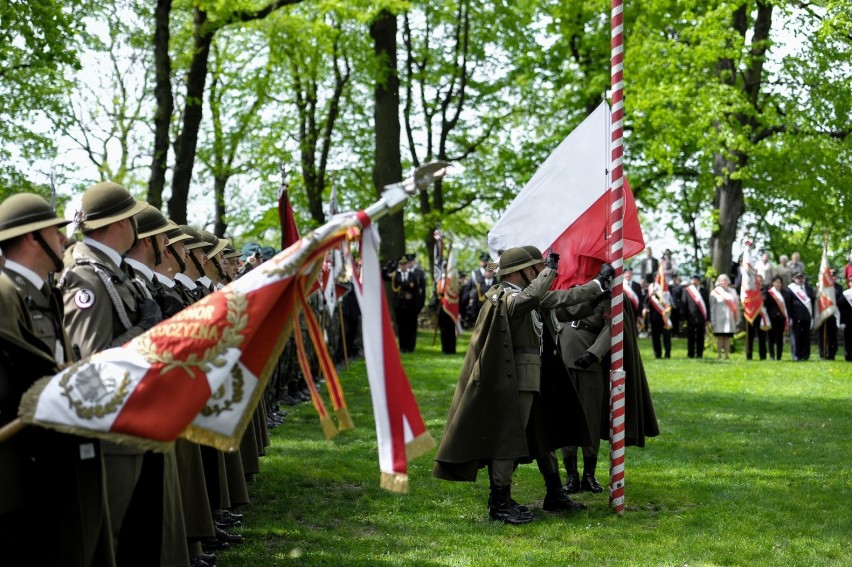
[
  {"x": 826, "y": 302},
  {"x": 566, "y": 206}
]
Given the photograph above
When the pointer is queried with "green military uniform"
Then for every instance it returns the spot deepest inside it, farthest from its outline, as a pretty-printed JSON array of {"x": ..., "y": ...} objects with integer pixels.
[
  {"x": 175, "y": 552},
  {"x": 590, "y": 331},
  {"x": 103, "y": 309},
  {"x": 52, "y": 492},
  {"x": 197, "y": 515}
]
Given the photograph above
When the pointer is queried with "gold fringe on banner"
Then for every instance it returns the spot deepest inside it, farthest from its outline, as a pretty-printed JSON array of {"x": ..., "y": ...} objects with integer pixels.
[
  {"x": 328, "y": 427},
  {"x": 395, "y": 482},
  {"x": 344, "y": 420},
  {"x": 420, "y": 445}
]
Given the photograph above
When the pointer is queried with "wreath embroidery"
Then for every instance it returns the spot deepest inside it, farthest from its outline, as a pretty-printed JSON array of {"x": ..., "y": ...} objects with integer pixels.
[
  {"x": 92, "y": 388},
  {"x": 231, "y": 338}
]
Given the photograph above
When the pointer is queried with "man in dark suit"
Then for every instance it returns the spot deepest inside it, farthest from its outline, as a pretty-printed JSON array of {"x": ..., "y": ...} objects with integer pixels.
[
  {"x": 800, "y": 306},
  {"x": 649, "y": 266},
  {"x": 693, "y": 302},
  {"x": 775, "y": 300}
]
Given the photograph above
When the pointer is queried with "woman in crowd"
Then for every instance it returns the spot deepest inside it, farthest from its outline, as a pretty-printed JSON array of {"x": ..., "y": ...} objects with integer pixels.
[{"x": 724, "y": 314}]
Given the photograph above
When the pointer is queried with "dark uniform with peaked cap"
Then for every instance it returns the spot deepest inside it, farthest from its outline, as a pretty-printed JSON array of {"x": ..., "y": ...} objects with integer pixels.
[
  {"x": 52, "y": 492},
  {"x": 105, "y": 308},
  {"x": 409, "y": 288}
]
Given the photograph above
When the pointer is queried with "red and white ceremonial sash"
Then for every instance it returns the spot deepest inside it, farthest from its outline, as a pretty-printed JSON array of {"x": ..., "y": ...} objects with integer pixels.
[
  {"x": 782, "y": 306},
  {"x": 631, "y": 295},
  {"x": 802, "y": 296},
  {"x": 729, "y": 300},
  {"x": 400, "y": 429},
  {"x": 663, "y": 310},
  {"x": 695, "y": 294},
  {"x": 848, "y": 295}
]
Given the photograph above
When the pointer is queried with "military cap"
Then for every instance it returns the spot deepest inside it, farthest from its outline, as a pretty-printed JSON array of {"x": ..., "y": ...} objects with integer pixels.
[
  {"x": 534, "y": 252},
  {"x": 515, "y": 259},
  {"x": 250, "y": 249},
  {"x": 105, "y": 203},
  {"x": 798, "y": 274},
  {"x": 696, "y": 277},
  {"x": 409, "y": 257},
  {"x": 484, "y": 257},
  {"x": 214, "y": 243},
  {"x": 175, "y": 234},
  {"x": 23, "y": 213},
  {"x": 195, "y": 238},
  {"x": 229, "y": 253},
  {"x": 151, "y": 222},
  {"x": 267, "y": 252}
]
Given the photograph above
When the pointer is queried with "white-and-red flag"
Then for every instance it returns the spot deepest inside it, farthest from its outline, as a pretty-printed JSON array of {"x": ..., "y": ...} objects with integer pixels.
[
  {"x": 826, "y": 302},
  {"x": 448, "y": 290},
  {"x": 566, "y": 206},
  {"x": 752, "y": 295},
  {"x": 400, "y": 430}
]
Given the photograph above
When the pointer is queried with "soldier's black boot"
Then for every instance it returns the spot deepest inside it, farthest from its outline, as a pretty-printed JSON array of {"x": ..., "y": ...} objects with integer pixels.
[
  {"x": 501, "y": 509},
  {"x": 572, "y": 482},
  {"x": 556, "y": 499},
  {"x": 589, "y": 482}
]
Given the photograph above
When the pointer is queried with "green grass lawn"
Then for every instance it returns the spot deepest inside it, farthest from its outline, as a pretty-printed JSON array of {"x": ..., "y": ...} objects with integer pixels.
[{"x": 751, "y": 468}]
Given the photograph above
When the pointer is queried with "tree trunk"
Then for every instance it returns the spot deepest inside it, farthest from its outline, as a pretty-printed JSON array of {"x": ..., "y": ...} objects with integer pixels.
[
  {"x": 165, "y": 103},
  {"x": 388, "y": 166},
  {"x": 219, "y": 184},
  {"x": 187, "y": 141},
  {"x": 730, "y": 204}
]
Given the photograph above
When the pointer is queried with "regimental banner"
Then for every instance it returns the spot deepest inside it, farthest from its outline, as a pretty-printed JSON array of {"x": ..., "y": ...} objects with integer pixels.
[
  {"x": 198, "y": 374},
  {"x": 448, "y": 290},
  {"x": 752, "y": 295},
  {"x": 826, "y": 302}
]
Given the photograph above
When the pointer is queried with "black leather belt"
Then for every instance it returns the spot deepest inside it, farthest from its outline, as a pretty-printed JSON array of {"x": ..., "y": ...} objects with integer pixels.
[
  {"x": 527, "y": 350},
  {"x": 585, "y": 327}
]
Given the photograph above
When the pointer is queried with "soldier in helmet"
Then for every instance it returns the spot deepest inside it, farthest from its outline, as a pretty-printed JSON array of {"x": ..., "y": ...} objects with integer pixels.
[
  {"x": 105, "y": 308},
  {"x": 193, "y": 264},
  {"x": 500, "y": 380},
  {"x": 41, "y": 469}
]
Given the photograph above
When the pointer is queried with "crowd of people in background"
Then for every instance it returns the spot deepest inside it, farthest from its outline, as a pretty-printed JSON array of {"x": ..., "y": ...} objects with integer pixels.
[
  {"x": 699, "y": 308},
  {"x": 709, "y": 313}
]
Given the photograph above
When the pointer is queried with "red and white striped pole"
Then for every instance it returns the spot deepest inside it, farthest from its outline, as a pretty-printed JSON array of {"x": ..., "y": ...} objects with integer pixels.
[{"x": 616, "y": 379}]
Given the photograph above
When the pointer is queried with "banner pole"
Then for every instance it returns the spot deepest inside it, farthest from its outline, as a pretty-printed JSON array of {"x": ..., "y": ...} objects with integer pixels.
[{"x": 617, "y": 388}]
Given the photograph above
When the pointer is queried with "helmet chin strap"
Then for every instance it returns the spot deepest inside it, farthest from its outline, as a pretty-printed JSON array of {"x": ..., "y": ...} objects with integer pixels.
[
  {"x": 179, "y": 260},
  {"x": 222, "y": 275},
  {"x": 158, "y": 255},
  {"x": 57, "y": 261},
  {"x": 525, "y": 278},
  {"x": 197, "y": 263}
]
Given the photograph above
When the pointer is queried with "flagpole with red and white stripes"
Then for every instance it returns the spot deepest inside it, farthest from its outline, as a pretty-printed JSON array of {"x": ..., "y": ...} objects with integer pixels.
[{"x": 617, "y": 389}]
